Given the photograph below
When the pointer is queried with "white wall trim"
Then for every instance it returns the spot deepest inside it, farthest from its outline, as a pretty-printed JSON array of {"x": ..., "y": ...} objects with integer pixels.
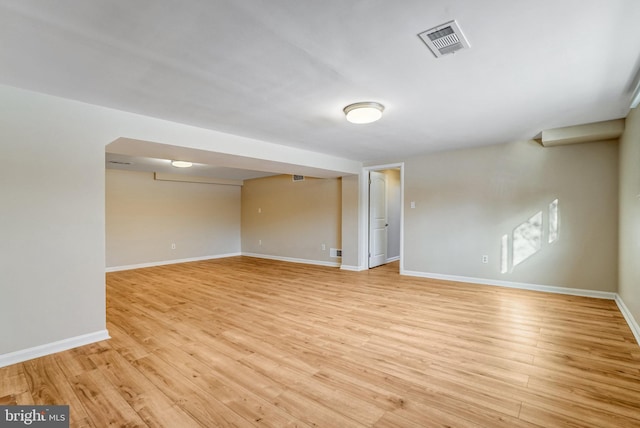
[
  {"x": 169, "y": 262},
  {"x": 392, "y": 259},
  {"x": 293, "y": 260},
  {"x": 353, "y": 268},
  {"x": 626, "y": 313},
  {"x": 52, "y": 348},
  {"x": 520, "y": 285}
]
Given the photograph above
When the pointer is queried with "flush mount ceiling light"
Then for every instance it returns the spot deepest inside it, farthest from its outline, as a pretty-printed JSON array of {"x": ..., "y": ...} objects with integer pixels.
[
  {"x": 365, "y": 112},
  {"x": 181, "y": 164}
]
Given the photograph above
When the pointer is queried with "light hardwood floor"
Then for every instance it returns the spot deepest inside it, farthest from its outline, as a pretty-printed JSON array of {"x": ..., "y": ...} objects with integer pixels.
[{"x": 251, "y": 342}]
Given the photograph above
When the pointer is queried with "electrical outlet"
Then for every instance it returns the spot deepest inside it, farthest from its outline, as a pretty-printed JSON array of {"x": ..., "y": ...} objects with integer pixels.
[
  {"x": 324, "y": 247},
  {"x": 485, "y": 259},
  {"x": 173, "y": 245},
  {"x": 259, "y": 241}
]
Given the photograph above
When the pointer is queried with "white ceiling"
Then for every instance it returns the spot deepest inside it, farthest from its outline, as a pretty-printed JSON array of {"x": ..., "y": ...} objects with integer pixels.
[{"x": 282, "y": 70}]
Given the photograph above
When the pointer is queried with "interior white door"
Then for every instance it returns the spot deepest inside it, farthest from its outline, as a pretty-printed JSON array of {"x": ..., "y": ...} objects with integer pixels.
[{"x": 378, "y": 222}]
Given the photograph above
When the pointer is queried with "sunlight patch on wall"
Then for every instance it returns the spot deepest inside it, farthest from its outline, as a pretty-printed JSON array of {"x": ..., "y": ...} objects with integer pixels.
[
  {"x": 553, "y": 221},
  {"x": 504, "y": 254},
  {"x": 528, "y": 237}
]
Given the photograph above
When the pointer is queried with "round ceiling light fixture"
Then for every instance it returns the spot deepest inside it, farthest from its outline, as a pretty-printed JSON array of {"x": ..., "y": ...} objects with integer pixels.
[
  {"x": 365, "y": 112},
  {"x": 181, "y": 164}
]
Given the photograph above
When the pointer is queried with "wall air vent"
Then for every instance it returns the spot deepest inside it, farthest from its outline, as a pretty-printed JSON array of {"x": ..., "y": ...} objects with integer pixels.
[
  {"x": 297, "y": 177},
  {"x": 445, "y": 39},
  {"x": 120, "y": 162}
]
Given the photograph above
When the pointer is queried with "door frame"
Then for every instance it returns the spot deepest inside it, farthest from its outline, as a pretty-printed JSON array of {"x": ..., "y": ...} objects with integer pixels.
[{"x": 364, "y": 212}]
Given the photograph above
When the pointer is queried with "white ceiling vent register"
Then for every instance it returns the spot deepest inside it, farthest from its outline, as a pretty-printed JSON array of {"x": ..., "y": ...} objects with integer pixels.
[{"x": 445, "y": 39}]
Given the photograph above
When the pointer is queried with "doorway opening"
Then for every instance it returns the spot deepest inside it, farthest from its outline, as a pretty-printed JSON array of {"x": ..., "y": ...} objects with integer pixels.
[{"x": 384, "y": 215}]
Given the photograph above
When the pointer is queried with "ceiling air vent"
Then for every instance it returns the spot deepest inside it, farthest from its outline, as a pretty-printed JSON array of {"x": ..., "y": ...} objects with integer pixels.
[
  {"x": 297, "y": 177},
  {"x": 445, "y": 39}
]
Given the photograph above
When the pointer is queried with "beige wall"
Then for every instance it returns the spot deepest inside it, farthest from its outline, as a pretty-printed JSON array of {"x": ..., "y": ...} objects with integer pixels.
[
  {"x": 295, "y": 218},
  {"x": 629, "y": 288},
  {"x": 350, "y": 222},
  {"x": 51, "y": 221},
  {"x": 467, "y": 199},
  {"x": 144, "y": 217}
]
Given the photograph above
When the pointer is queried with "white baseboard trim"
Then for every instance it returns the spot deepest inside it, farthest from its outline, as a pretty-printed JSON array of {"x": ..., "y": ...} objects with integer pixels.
[
  {"x": 393, "y": 259},
  {"x": 353, "y": 268},
  {"x": 626, "y": 313},
  {"x": 51, "y": 348},
  {"x": 293, "y": 260},
  {"x": 520, "y": 285},
  {"x": 169, "y": 262}
]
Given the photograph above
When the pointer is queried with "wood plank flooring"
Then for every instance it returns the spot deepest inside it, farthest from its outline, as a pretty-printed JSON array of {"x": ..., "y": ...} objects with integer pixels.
[{"x": 251, "y": 342}]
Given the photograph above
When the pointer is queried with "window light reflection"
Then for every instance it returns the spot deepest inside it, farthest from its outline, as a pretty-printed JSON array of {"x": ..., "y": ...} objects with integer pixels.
[{"x": 527, "y": 238}]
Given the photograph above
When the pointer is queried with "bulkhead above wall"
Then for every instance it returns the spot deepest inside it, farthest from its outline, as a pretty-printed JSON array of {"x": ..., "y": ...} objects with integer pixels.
[{"x": 586, "y": 133}]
